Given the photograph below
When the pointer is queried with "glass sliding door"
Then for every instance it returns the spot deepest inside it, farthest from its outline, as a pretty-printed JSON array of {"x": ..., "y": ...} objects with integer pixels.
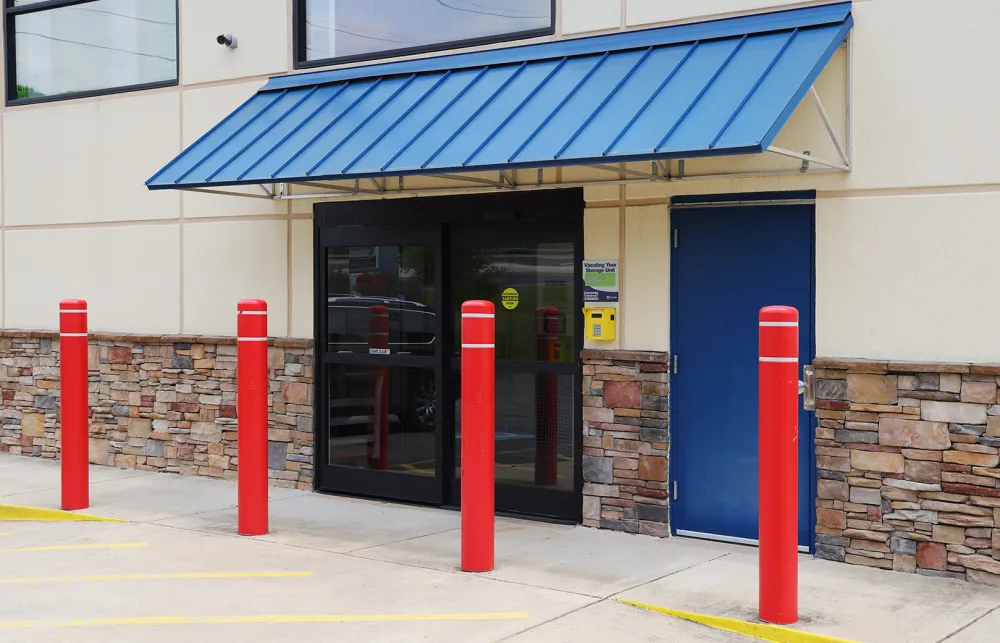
[
  {"x": 529, "y": 272},
  {"x": 391, "y": 277},
  {"x": 381, "y": 354}
]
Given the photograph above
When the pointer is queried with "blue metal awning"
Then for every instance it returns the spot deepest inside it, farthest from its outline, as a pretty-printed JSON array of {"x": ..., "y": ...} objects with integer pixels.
[{"x": 714, "y": 88}]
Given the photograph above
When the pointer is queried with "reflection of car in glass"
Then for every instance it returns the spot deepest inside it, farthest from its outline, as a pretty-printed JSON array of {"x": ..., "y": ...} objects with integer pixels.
[
  {"x": 411, "y": 393},
  {"x": 411, "y": 325}
]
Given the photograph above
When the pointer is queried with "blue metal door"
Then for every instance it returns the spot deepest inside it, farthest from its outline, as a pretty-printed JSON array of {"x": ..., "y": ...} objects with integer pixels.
[{"x": 728, "y": 262}]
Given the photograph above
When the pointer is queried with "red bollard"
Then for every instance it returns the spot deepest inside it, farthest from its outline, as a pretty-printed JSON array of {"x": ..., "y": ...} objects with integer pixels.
[
  {"x": 251, "y": 413},
  {"x": 378, "y": 344},
  {"x": 478, "y": 392},
  {"x": 74, "y": 410},
  {"x": 779, "y": 464},
  {"x": 547, "y": 398}
]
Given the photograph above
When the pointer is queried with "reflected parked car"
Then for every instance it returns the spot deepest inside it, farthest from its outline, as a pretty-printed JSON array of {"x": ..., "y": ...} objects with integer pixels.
[{"x": 411, "y": 325}]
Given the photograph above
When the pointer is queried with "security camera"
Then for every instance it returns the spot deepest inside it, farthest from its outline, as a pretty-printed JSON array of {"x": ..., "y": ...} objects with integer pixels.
[{"x": 226, "y": 40}]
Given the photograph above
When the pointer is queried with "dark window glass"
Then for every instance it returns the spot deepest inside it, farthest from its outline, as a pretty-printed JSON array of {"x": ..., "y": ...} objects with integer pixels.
[
  {"x": 382, "y": 418},
  {"x": 380, "y": 300},
  {"x": 375, "y": 28},
  {"x": 534, "y": 429},
  {"x": 101, "y": 45},
  {"x": 531, "y": 287}
]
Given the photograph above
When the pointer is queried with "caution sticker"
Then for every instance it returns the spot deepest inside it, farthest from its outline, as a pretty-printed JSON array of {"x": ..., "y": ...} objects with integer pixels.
[{"x": 509, "y": 298}]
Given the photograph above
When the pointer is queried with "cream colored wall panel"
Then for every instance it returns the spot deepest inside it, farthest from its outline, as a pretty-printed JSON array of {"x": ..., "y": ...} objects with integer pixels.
[
  {"x": 232, "y": 260},
  {"x": 261, "y": 30},
  {"x": 590, "y": 15},
  {"x": 640, "y": 12},
  {"x": 302, "y": 278},
  {"x": 128, "y": 275},
  {"x": 203, "y": 109},
  {"x": 646, "y": 318},
  {"x": 88, "y": 162},
  {"x": 908, "y": 277},
  {"x": 3, "y": 294},
  {"x": 600, "y": 241},
  {"x": 925, "y": 110}
]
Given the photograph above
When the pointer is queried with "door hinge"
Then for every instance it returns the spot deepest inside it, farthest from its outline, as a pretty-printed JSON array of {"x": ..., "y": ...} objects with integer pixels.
[
  {"x": 675, "y": 490},
  {"x": 675, "y": 364},
  {"x": 675, "y": 237}
]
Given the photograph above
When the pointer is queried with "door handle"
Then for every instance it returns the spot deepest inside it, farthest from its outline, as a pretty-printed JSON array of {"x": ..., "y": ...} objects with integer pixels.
[{"x": 807, "y": 388}]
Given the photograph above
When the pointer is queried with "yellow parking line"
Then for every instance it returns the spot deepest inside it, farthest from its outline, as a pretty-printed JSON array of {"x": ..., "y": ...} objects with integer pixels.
[
  {"x": 269, "y": 619},
  {"x": 76, "y": 547},
  {"x": 18, "y": 513},
  {"x": 761, "y": 631},
  {"x": 6, "y": 533},
  {"x": 114, "y": 577}
]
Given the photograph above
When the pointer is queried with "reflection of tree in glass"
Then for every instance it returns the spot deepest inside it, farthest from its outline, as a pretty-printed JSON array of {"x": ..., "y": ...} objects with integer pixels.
[
  {"x": 26, "y": 91},
  {"x": 478, "y": 272},
  {"x": 416, "y": 274},
  {"x": 337, "y": 280}
]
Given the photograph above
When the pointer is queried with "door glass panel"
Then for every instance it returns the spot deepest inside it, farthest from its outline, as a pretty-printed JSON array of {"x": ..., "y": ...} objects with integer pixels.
[
  {"x": 380, "y": 300},
  {"x": 382, "y": 418},
  {"x": 534, "y": 429},
  {"x": 531, "y": 287}
]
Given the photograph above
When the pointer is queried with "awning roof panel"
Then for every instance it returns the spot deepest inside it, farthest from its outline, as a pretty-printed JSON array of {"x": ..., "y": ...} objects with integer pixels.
[{"x": 722, "y": 87}]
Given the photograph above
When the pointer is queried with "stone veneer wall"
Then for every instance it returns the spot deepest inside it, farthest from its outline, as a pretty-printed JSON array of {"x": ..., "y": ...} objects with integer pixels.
[
  {"x": 159, "y": 403},
  {"x": 625, "y": 441},
  {"x": 907, "y": 456}
]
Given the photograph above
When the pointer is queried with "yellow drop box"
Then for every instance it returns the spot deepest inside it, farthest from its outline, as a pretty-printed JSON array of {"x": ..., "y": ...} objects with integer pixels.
[{"x": 599, "y": 324}]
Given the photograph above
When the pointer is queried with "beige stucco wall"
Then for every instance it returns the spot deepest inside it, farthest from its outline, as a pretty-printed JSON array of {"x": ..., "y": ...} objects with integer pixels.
[
  {"x": 908, "y": 276},
  {"x": 906, "y": 229}
]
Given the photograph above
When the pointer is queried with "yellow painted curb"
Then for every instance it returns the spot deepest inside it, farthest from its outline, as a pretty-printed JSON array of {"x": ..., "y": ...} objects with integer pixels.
[
  {"x": 14, "y": 512},
  {"x": 269, "y": 619},
  {"x": 761, "y": 631}
]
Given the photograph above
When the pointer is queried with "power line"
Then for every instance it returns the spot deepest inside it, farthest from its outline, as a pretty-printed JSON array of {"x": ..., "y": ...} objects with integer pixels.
[
  {"x": 360, "y": 35},
  {"x": 87, "y": 44},
  {"x": 122, "y": 15},
  {"x": 483, "y": 13},
  {"x": 525, "y": 14}
]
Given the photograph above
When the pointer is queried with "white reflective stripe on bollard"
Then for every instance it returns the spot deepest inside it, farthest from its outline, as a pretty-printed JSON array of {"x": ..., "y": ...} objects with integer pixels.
[
  {"x": 251, "y": 339},
  {"x": 75, "y": 310},
  {"x": 478, "y": 345},
  {"x": 785, "y": 324},
  {"x": 72, "y": 334},
  {"x": 780, "y": 360},
  {"x": 478, "y": 315},
  {"x": 252, "y": 312}
]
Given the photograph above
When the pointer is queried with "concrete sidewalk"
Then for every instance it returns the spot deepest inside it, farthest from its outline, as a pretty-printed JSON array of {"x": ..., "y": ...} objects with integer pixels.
[{"x": 371, "y": 571}]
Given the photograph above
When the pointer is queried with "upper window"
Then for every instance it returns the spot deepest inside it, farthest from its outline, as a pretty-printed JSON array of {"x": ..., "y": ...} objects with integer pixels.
[
  {"x": 331, "y": 31},
  {"x": 71, "y": 48}
]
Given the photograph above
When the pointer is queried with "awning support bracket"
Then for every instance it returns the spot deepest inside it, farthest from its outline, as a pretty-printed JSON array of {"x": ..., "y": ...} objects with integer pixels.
[
  {"x": 829, "y": 126},
  {"x": 807, "y": 157}
]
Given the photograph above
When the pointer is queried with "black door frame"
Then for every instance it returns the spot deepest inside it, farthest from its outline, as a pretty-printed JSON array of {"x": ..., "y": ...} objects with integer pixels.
[{"x": 461, "y": 218}]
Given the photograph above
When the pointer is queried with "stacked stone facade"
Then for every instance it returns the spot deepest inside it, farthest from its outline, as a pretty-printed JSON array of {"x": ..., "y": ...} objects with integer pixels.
[
  {"x": 907, "y": 456},
  {"x": 159, "y": 403},
  {"x": 625, "y": 441}
]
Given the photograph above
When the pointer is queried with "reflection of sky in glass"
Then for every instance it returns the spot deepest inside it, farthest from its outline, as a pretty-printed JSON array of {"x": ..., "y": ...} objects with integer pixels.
[
  {"x": 98, "y": 45},
  {"x": 369, "y": 26}
]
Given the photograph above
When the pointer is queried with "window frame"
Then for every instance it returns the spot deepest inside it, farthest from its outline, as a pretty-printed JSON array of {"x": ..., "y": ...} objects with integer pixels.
[
  {"x": 301, "y": 61},
  {"x": 10, "y": 12}
]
